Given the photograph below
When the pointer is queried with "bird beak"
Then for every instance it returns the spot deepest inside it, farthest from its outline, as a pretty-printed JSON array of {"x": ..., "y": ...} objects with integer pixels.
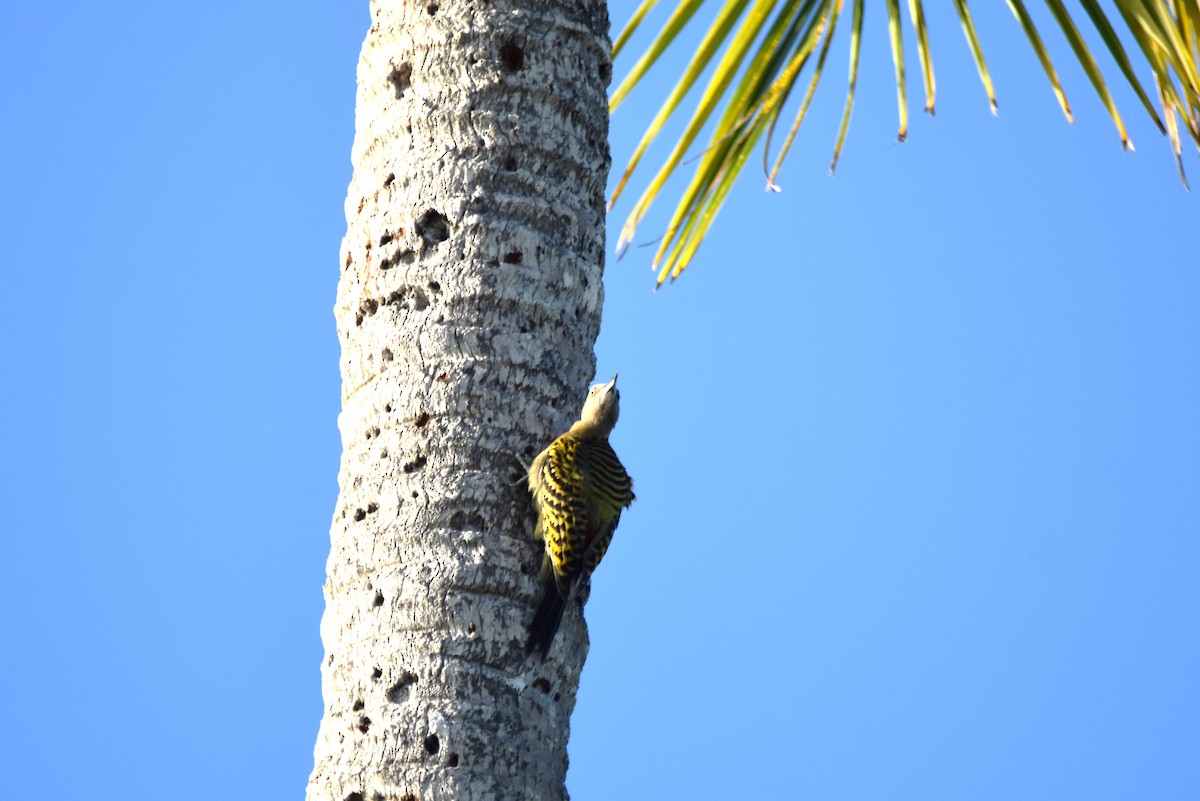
[{"x": 611, "y": 385}]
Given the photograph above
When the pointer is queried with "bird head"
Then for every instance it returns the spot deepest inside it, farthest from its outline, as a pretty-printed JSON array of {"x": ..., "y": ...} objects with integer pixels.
[{"x": 600, "y": 407}]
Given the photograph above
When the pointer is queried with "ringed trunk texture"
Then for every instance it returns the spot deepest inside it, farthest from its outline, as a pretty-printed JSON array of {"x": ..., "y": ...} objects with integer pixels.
[{"x": 468, "y": 306}]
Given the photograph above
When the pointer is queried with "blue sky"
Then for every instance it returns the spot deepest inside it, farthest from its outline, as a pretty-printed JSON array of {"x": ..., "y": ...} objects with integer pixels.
[{"x": 915, "y": 447}]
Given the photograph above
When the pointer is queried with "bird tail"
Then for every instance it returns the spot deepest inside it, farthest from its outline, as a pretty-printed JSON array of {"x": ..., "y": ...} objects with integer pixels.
[{"x": 546, "y": 619}]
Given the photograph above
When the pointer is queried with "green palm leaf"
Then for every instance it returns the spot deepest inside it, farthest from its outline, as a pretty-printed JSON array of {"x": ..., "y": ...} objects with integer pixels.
[{"x": 768, "y": 45}]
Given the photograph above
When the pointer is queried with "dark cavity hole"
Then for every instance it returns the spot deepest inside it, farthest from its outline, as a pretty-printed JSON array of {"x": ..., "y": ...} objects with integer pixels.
[
  {"x": 358, "y": 705},
  {"x": 452, "y": 761},
  {"x": 364, "y": 724},
  {"x": 422, "y": 419},
  {"x": 378, "y": 599},
  {"x": 398, "y": 693},
  {"x": 433, "y": 227},
  {"x": 431, "y": 744},
  {"x": 512, "y": 56},
  {"x": 513, "y": 257},
  {"x": 400, "y": 78}
]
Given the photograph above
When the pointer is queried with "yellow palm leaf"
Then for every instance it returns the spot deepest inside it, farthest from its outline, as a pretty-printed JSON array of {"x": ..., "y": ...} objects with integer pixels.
[{"x": 768, "y": 45}]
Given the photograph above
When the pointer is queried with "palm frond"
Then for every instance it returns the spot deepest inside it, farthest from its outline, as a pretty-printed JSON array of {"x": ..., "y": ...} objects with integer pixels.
[
  {"x": 855, "y": 46},
  {"x": 968, "y": 26},
  {"x": 768, "y": 44},
  {"x": 808, "y": 96},
  {"x": 896, "y": 37},
  {"x": 1035, "y": 41},
  {"x": 1089, "y": 65},
  {"x": 917, "y": 12}
]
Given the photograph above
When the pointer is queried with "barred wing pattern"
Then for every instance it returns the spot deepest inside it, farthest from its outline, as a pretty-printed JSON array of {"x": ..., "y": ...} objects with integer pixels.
[{"x": 580, "y": 491}]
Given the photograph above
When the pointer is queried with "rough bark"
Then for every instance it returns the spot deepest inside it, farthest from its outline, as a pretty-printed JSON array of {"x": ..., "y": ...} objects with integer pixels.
[{"x": 468, "y": 306}]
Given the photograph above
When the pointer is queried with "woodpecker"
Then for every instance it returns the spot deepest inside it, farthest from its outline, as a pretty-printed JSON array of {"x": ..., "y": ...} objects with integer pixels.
[{"x": 579, "y": 488}]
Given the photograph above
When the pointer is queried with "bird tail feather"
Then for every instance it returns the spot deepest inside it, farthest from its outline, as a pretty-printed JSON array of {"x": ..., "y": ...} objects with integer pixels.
[{"x": 546, "y": 619}]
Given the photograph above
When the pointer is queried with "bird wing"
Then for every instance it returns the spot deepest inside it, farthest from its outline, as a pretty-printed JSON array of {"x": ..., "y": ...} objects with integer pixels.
[
  {"x": 562, "y": 502},
  {"x": 610, "y": 489}
]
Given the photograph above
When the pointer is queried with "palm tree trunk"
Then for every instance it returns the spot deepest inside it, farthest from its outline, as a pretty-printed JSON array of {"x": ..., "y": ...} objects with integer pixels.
[{"x": 467, "y": 309}]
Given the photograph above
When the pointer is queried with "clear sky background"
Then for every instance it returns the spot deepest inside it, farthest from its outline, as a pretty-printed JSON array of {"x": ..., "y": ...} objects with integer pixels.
[{"x": 915, "y": 447}]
